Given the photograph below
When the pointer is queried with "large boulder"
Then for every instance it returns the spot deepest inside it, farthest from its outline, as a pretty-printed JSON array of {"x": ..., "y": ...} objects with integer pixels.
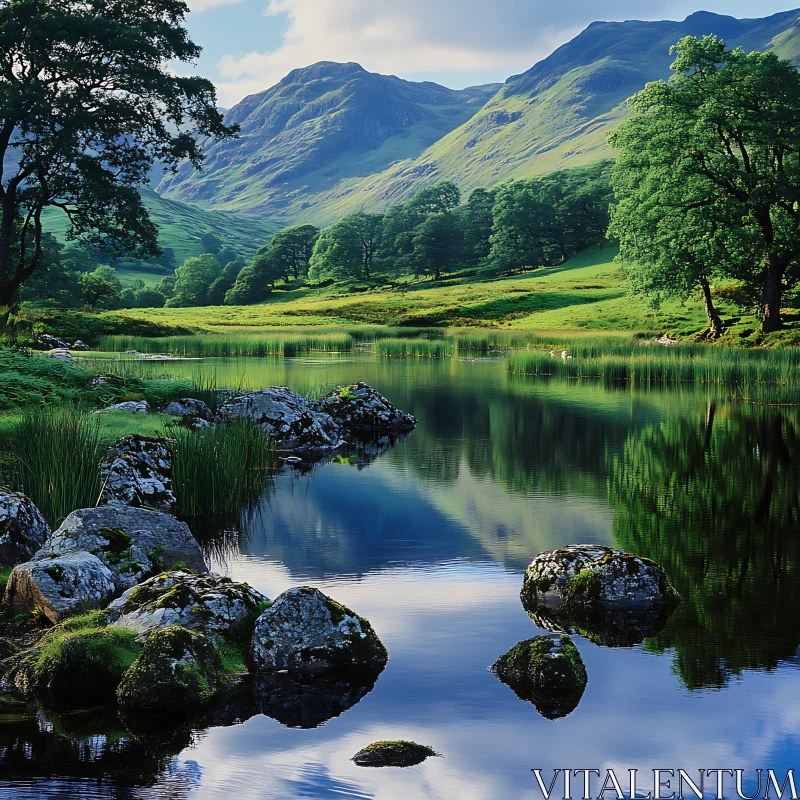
[
  {"x": 57, "y": 586},
  {"x": 129, "y": 407},
  {"x": 589, "y": 575},
  {"x": 396, "y": 753},
  {"x": 189, "y": 407},
  {"x": 178, "y": 670},
  {"x": 303, "y": 630},
  {"x": 291, "y": 420},
  {"x": 310, "y": 699},
  {"x": 23, "y": 530},
  {"x": 547, "y": 671},
  {"x": 137, "y": 471},
  {"x": 359, "y": 409},
  {"x": 46, "y": 341},
  {"x": 213, "y": 605}
]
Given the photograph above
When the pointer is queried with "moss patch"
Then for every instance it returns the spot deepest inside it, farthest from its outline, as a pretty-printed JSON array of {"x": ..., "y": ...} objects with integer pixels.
[
  {"x": 396, "y": 753},
  {"x": 119, "y": 542},
  {"x": 583, "y": 587}
]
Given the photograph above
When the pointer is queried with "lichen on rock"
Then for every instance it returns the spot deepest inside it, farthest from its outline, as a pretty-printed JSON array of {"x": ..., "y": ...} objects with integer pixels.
[
  {"x": 395, "y": 753},
  {"x": 178, "y": 670},
  {"x": 23, "y": 529},
  {"x": 211, "y": 604},
  {"x": 306, "y": 631},
  {"x": 137, "y": 471},
  {"x": 547, "y": 671},
  {"x": 359, "y": 409}
]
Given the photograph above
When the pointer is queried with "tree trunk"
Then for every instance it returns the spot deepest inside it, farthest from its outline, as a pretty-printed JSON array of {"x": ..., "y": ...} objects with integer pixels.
[
  {"x": 774, "y": 267},
  {"x": 715, "y": 324}
]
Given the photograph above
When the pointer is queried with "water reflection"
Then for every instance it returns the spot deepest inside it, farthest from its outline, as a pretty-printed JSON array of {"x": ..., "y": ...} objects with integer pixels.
[{"x": 428, "y": 540}]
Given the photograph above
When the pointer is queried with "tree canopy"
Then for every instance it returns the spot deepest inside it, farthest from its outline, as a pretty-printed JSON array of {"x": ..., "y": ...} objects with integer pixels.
[
  {"x": 89, "y": 101},
  {"x": 707, "y": 178}
]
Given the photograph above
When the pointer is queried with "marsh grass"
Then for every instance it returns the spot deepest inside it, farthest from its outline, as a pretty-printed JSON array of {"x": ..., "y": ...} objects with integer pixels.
[
  {"x": 54, "y": 456},
  {"x": 220, "y": 473},
  {"x": 416, "y": 348},
  {"x": 760, "y": 375}
]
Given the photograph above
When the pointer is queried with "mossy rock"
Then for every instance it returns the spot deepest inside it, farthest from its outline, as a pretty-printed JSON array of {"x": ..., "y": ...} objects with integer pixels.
[
  {"x": 178, "y": 670},
  {"x": 397, "y": 753},
  {"x": 547, "y": 671}
]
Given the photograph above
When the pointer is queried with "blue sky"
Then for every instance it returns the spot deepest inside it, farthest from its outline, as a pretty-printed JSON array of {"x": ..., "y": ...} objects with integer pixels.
[{"x": 251, "y": 44}]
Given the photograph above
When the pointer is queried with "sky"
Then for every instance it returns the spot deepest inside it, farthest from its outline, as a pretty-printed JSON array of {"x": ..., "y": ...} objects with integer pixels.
[{"x": 249, "y": 45}]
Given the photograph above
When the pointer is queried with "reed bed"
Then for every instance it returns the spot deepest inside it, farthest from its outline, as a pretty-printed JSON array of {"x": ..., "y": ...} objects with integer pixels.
[
  {"x": 756, "y": 374},
  {"x": 230, "y": 346},
  {"x": 415, "y": 348}
]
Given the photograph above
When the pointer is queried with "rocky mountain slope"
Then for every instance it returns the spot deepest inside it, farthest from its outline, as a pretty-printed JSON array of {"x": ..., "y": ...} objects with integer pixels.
[{"x": 332, "y": 138}]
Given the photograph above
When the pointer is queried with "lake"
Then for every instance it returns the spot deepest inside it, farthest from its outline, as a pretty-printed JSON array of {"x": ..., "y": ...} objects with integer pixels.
[{"x": 429, "y": 541}]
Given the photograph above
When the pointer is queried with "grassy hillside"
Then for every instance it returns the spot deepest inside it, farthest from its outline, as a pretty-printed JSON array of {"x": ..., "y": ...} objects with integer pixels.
[
  {"x": 558, "y": 114},
  {"x": 181, "y": 227},
  {"x": 587, "y": 293},
  {"x": 305, "y": 141}
]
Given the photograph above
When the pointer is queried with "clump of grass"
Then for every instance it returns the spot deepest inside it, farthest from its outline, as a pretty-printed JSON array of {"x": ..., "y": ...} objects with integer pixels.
[
  {"x": 416, "y": 348},
  {"x": 5, "y": 574},
  {"x": 56, "y": 452},
  {"x": 221, "y": 471}
]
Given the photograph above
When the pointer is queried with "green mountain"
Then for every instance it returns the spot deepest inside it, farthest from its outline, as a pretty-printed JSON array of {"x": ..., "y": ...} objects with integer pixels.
[
  {"x": 306, "y": 141},
  {"x": 332, "y": 138}
]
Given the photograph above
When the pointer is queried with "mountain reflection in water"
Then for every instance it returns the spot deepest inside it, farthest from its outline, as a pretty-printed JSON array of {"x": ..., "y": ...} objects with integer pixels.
[{"x": 429, "y": 539}]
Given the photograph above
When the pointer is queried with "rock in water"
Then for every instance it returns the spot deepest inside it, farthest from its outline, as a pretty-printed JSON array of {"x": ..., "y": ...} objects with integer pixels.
[
  {"x": 213, "y": 605},
  {"x": 293, "y": 422},
  {"x": 359, "y": 409},
  {"x": 178, "y": 670},
  {"x": 592, "y": 575},
  {"x": 129, "y": 407},
  {"x": 23, "y": 529},
  {"x": 56, "y": 586},
  {"x": 306, "y": 631},
  {"x": 96, "y": 554},
  {"x": 397, "y": 753},
  {"x": 547, "y": 671},
  {"x": 137, "y": 471},
  {"x": 189, "y": 407},
  {"x": 308, "y": 700},
  {"x": 79, "y": 344}
]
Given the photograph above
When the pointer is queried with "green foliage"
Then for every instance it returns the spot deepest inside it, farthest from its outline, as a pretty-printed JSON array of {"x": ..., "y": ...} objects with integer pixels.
[
  {"x": 708, "y": 175},
  {"x": 193, "y": 280},
  {"x": 99, "y": 138},
  {"x": 337, "y": 254},
  {"x": 437, "y": 244},
  {"x": 100, "y": 288},
  {"x": 224, "y": 283}
]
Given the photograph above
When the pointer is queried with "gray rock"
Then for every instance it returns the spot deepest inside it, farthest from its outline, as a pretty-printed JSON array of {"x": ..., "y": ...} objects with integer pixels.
[
  {"x": 582, "y": 576},
  {"x": 189, "y": 407},
  {"x": 359, "y": 409},
  {"x": 547, "y": 671},
  {"x": 213, "y": 605},
  {"x": 23, "y": 530},
  {"x": 178, "y": 670},
  {"x": 304, "y": 630},
  {"x": 60, "y": 354},
  {"x": 98, "y": 381},
  {"x": 134, "y": 543},
  {"x": 55, "y": 586},
  {"x": 137, "y": 471},
  {"x": 292, "y": 421},
  {"x": 48, "y": 342},
  {"x": 130, "y": 406},
  {"x": 79, "y": 344}
]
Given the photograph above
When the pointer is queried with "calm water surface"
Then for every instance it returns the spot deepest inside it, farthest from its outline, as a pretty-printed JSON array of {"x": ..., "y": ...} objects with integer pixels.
[{"x": 429, "y": 541}]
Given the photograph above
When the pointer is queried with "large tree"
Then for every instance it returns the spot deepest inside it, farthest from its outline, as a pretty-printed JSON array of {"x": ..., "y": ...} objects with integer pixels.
[
  {"x": 337, "y": 254},
  {"x": 89, "y": 101},
  {"x": 292, "y": 248},
  {"x": 717, "y": 150},
  {"x": 193, "y": 280}
]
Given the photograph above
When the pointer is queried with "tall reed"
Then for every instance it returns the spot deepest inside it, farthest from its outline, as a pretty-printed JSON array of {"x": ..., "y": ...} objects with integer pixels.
[
  {"x": 56, "y": 453},
  {"x": 418, "y": 348}
]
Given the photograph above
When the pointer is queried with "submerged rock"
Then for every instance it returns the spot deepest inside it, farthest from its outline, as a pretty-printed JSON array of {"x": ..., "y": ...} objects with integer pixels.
[
  {"x": 189, "y": 407},
  {"x": 304, "y": 630},
  {"x": 396, "y": 753},
  {"x": 547, "y": 671},
  {"x": 129, "y": 406},
  {"x": 293, "y": 422},
  {"x": 96, "y": 554},
  {"x": 213, "y": 605},
  {"x": 23, "y": 530},
  {"x": 178, "y": 670},
  {"x": 137, "y": 471},
  {"x": 58, "y": 585},
  {"x": 359, "y": 409},
  {"x": 308, "y": 700},
  {"x": 593, "y": 575}
]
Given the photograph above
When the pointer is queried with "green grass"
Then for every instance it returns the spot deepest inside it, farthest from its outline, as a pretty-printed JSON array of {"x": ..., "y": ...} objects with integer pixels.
[{"x": 419, "y": 348}]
